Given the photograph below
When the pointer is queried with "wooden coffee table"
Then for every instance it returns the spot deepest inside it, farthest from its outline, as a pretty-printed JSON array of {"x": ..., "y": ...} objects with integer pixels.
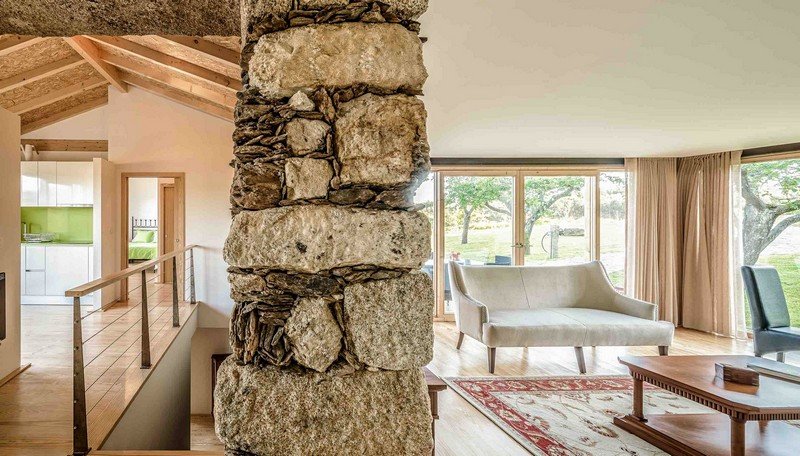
[{"x": 750, "y": 419}]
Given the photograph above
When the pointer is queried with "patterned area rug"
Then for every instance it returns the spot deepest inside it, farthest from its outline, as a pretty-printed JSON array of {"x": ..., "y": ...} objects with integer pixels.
[{"x": 568, "y": 415}]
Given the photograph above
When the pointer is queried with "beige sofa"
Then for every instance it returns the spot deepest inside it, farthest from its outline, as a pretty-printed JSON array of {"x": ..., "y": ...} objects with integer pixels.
[{"x": 551, "y": 306}]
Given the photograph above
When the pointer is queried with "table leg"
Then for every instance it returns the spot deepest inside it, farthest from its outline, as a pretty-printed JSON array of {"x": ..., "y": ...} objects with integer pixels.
[
  {"x": 737, "y": 437},
  {"x": 638, "y": 400}
]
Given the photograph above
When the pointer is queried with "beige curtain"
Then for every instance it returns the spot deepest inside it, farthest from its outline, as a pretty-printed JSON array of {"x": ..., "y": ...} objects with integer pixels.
[
  {"x": 654, "y": 233},
  {"x": 681, "y": 239},
  {"x": 704, "y": 209}
]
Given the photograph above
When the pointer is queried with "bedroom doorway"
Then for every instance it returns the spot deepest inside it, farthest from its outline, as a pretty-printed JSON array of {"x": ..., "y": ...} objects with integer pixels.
[{"x": 152, "y": 218}]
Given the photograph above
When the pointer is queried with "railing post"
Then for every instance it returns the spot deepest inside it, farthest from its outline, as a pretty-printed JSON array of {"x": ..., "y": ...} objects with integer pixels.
[
  {"x": 145, "y": 325},
  {"x": 175, "y": 319},
  {"x": 192, "y": 298},
  {"x": 80, "y": 434}
]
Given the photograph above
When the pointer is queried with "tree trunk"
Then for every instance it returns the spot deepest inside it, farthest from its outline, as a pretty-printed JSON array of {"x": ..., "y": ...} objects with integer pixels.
[
  {"x": 756, "y": 227},
  {"x": 528, "y": 232},
  {"x": 465, "y": 226}
]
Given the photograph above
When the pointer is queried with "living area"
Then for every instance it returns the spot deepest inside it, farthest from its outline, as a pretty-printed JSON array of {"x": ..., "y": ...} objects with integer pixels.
[{"x": 454, "y": 227}]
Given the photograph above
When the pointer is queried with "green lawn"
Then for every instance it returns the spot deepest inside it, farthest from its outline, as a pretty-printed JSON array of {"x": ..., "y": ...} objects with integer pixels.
[{"x": 486, "y": 243}]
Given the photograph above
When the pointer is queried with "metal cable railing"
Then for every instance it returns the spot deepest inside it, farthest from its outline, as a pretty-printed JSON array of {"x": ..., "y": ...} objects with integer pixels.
[{"x": 80, "y": 432}]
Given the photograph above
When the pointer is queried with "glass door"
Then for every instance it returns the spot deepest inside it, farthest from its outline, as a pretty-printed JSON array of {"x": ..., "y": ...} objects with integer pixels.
[
  {"x": 478, "y": 223},
  {"x": 556, "y": 225}
]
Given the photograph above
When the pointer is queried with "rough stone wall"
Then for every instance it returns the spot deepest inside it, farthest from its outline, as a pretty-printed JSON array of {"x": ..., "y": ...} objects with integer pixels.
[{"x": 333, "y": 319}]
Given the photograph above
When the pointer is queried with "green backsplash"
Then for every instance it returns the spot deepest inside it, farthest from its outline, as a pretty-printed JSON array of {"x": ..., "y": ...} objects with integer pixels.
[{"x": 71, "y": 224}]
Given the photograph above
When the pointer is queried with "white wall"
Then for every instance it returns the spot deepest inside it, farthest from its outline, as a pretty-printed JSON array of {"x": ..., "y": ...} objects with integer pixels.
[
  {"x": 10, "y": 237},
  {"x": 104, "y": 228},
  {"x": 143, "y": 198},
  {"x": 150, "y": 133}
]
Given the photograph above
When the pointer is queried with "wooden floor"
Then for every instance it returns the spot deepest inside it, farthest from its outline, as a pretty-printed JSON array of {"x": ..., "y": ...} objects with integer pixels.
[
  {"x": 462, "y": 430},
  {"x": 36, "y": 406}
]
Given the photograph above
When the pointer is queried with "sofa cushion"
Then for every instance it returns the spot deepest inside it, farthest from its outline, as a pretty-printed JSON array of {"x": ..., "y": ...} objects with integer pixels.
[
  {"x": 576, "y": 327},
  {"x": 497, "y": 287},
  {"x": 532, "y": 328},
  {"x": 610, "y": 328},
  {"x": 554, "y": 286}
]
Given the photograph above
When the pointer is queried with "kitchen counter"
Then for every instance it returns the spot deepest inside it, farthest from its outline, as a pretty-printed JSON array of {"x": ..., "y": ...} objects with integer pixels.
[{"x": 58, "y": 243}]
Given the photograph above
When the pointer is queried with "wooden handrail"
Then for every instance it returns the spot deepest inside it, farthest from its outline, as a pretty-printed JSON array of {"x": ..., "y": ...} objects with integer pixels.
[{"x": 97, "y": 284}]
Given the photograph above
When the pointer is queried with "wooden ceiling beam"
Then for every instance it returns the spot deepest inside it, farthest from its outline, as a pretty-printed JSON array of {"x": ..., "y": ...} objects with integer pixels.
[
  {"x": 13, "y": 43},
  {"x": 41, "y": 72},
  {"x": 171, "y": 78},
  {"x": 66, "y": 114},
  {"x": 68, "y": 145},
  {"x": 166, "y": 60},
  {"x": 56, "y": 95},
  {"x": 219, "y": 53},
  {"x": 179, "y": 96},
  {"x": 89, "y": 51}
]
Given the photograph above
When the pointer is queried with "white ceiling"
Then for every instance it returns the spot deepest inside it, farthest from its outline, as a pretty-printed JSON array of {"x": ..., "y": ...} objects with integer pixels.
[{"x": 570, "y": 78}]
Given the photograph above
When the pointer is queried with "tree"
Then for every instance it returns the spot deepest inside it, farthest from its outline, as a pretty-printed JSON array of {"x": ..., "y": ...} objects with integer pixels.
[
  {"x": 771, "y": 191},
  {"x": 468, "y": 193},
  {"x": 541, "y": 194}
]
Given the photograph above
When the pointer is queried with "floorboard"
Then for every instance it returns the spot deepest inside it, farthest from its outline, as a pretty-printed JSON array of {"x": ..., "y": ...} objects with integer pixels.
[
  {"x": 36, "y": 406},
  {"x": 464, "y": 431}
]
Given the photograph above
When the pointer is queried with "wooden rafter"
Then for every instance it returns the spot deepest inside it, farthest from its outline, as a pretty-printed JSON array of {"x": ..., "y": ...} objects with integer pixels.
[
  {"x": 219, "y": 53},
  {"x": 14, "y": 43},
  {"x": 178, "y": 96},
  {"x": 89, "y": 51},
  {"x": 68, "y": 145},
  {"x": 166, "y": 60},
  {"x": 56, "y": 95},
  {"x": 41, "y": 72},
  {"x": 66, "y": 114},
  {"x": 173, "y": 79}
]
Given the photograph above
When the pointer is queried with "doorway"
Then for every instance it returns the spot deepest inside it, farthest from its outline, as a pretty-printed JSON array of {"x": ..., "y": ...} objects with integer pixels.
[{"x": 152, "y": 218}]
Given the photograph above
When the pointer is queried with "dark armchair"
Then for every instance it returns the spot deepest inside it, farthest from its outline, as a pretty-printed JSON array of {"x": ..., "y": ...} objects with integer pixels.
[{"x": 772, "y": 329}]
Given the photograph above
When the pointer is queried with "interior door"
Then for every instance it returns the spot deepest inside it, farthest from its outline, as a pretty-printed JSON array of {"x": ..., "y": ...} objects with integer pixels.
[{"x": 167, "y": 230}]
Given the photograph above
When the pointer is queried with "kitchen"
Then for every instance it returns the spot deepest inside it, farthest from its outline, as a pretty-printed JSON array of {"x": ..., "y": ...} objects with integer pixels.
[{"x": 58, "y": 221}]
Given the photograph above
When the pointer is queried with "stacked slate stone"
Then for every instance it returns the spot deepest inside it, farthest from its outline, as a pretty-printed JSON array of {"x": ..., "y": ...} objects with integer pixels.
[{"x": 333, "y": 318}]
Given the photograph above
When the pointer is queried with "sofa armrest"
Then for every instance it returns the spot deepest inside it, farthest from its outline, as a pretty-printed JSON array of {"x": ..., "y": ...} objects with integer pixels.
[
  {"x": 635, "y": 308},
  {"x": 471, "y": 315}
]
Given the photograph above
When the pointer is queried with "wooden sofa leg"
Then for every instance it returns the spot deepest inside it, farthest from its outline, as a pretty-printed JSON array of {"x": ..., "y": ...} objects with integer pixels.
[
  {"x": 781, "y": 358},
  {"x": 460, "y": 339},
  {"x": 491, "y": 359},
  {"x": 663, "y": 350},
  {"x": 581, "y": 360}
]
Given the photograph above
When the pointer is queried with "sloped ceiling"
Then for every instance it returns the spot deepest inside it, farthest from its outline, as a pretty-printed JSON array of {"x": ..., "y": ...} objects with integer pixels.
[{"x": 48, "y": 80}]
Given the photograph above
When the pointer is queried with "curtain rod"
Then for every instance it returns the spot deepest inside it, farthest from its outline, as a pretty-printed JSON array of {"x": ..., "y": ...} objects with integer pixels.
[
  {"x": 770, "y": 149},
  {"x": 465, "y": 161}
]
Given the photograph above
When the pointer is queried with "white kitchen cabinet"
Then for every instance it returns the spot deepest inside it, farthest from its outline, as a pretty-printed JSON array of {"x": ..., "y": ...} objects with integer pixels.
[
  {"x": 49, "y": 270},
  {"x": 67, "y": 267},
  {"x": 47, "y": 184},
  {"x": 57, "y": 184},
  {"x": 35, "y": 257},
  {"x": 33, "y": 262},
  {"x": 75, "y": 186},
  {"x": 29, "y": 190},
  {"x": 35, "y": 283}
]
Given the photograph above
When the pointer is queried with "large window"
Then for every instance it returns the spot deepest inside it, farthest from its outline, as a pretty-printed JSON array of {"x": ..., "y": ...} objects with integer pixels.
[
  {"x": 478, "y": 226},
  {"x": 524, "y": 216},
  {"x": 613, "y": 205},
  {"x": 771, "y": 223},
  {"x": 557, "y": 228}
]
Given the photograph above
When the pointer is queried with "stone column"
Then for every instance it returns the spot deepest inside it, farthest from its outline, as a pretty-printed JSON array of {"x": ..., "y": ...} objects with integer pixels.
[{"x": 333, "y": 319}]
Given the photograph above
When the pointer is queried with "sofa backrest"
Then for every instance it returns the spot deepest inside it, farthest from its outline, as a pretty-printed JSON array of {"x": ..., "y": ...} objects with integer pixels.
[{"x": 536, "y": 287}]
